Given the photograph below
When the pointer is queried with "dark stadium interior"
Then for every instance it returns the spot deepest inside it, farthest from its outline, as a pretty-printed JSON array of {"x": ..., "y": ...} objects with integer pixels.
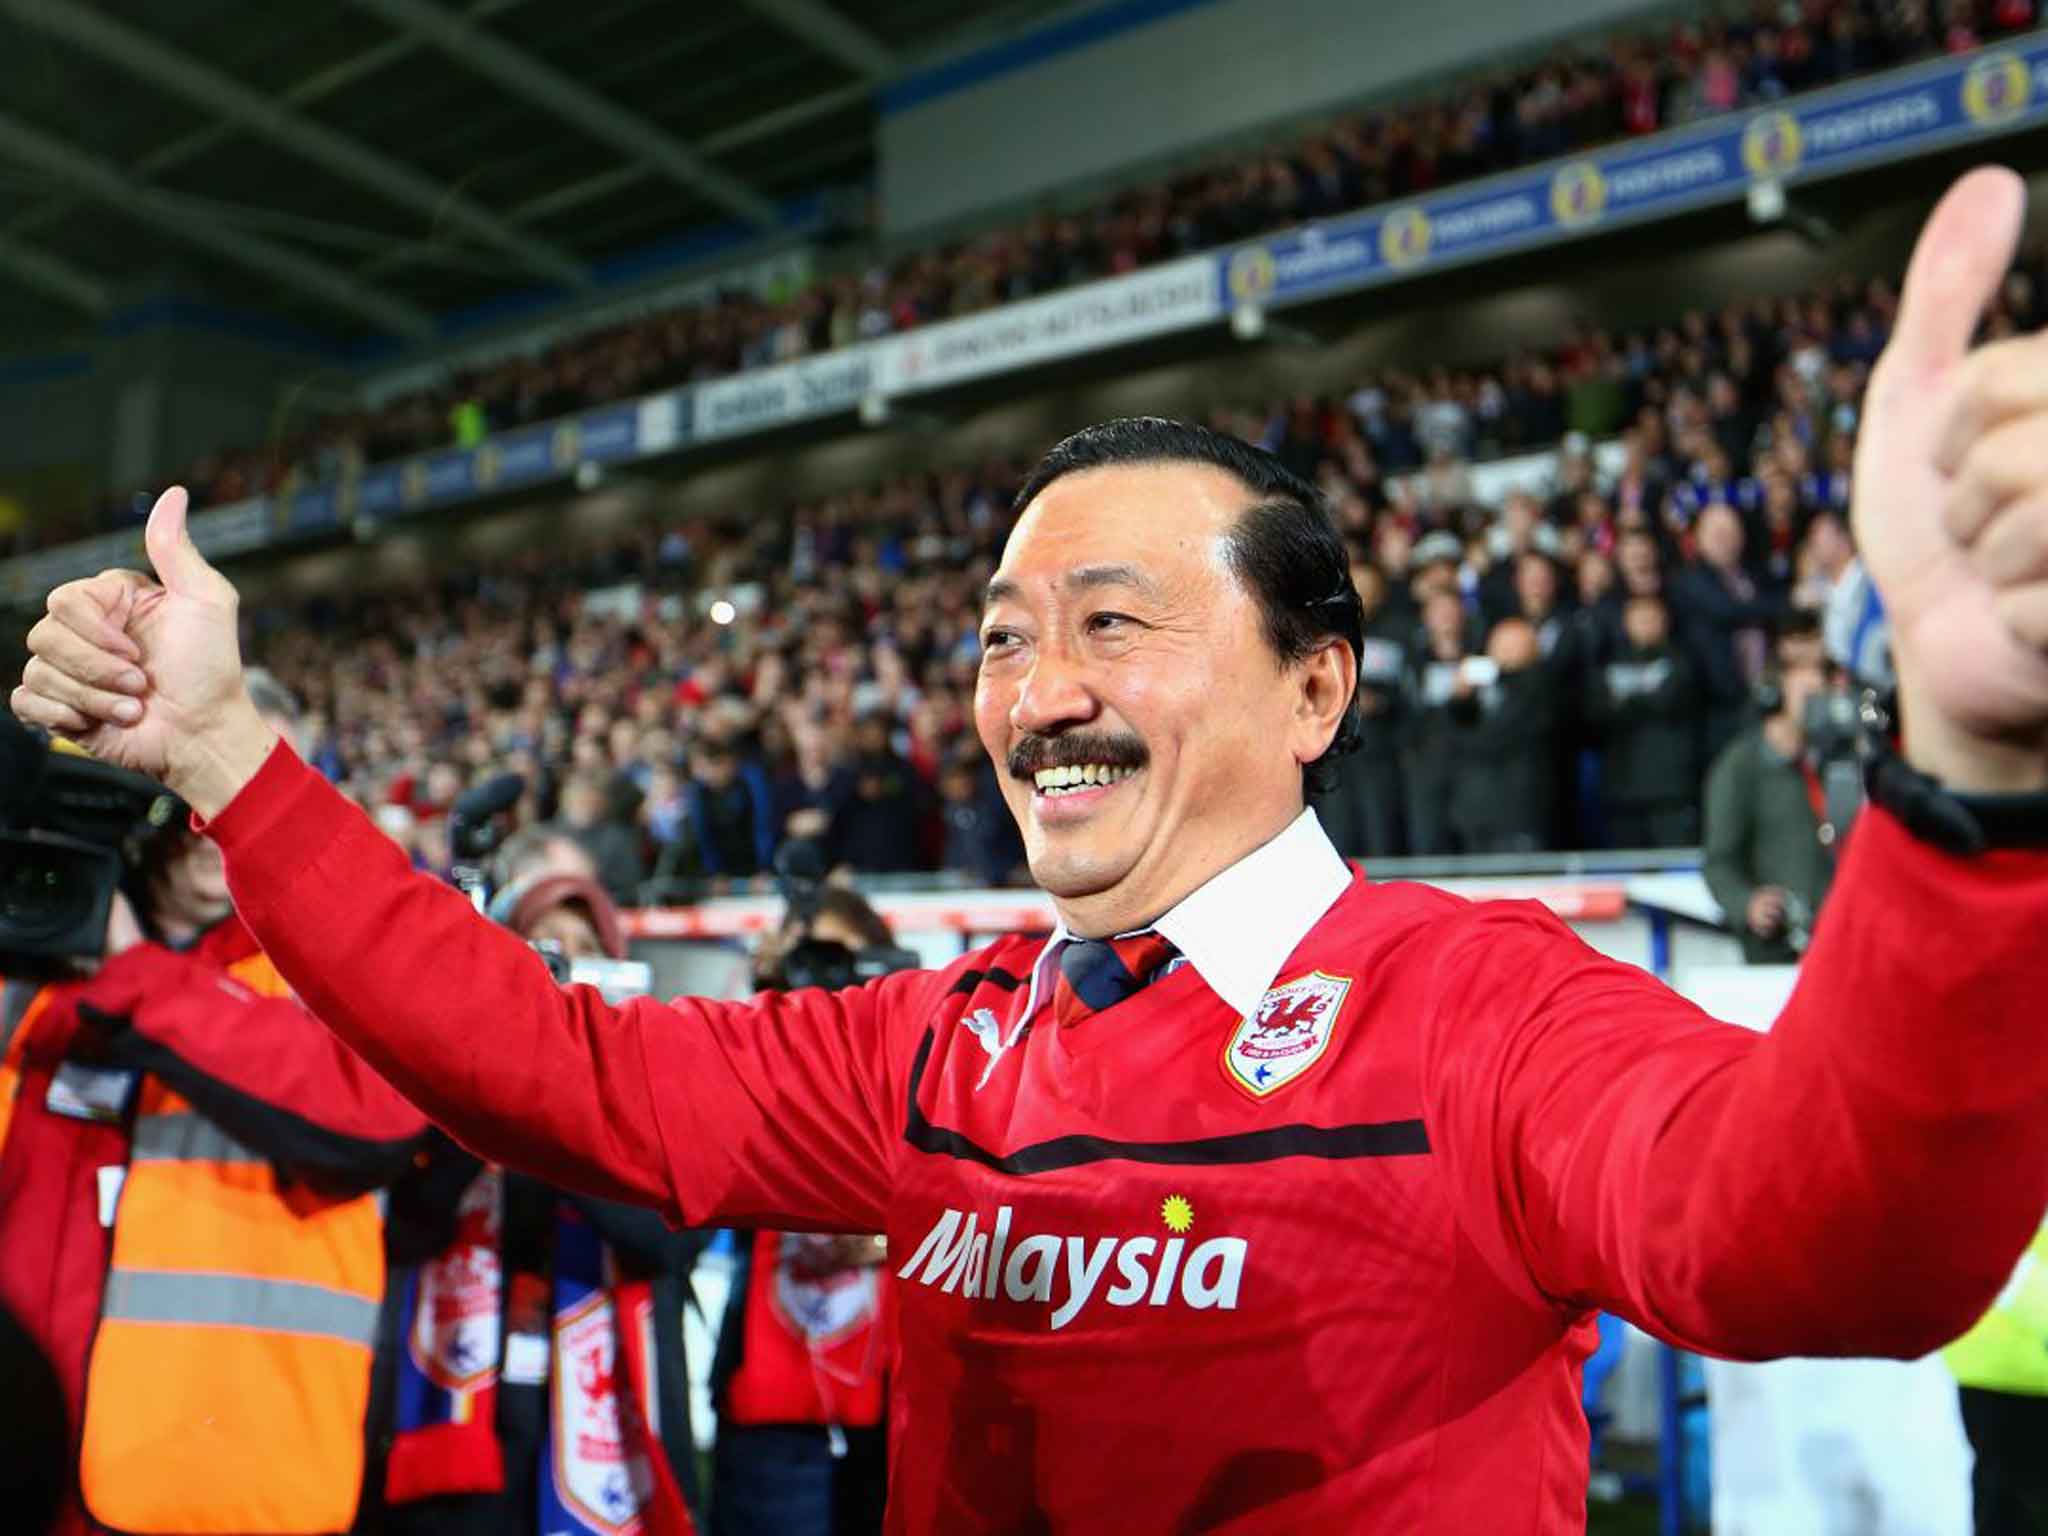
[{"x": 741, "y": 95}]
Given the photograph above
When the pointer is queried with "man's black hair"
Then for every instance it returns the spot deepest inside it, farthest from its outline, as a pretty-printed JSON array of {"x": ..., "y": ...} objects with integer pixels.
[
  {"x": 1284, "y": 547},
  {"x": 1796, "y": 624}
]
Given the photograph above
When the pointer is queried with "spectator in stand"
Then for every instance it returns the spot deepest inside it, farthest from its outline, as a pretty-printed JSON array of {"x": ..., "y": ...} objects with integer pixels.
[
  {"x": 541, "y": 851},
  {"x": 1642, "y": 705},
  {"x": 981, "y": 835},
  {"x": 613, "y": 845},
  {"x": 731, "y": 811},
  {"x": 1769, "y": 856},
  {"x": 1435, "y": 678},
  {"x": 1504, "y": 777},
  {"x": 1539, "y": 603},
  {"x": 1725, "y": 619},
  {"x": 1852, "y": 620},
  {"x": 877, "y": 824},
  {"x": 1363, "y": 811},
  {"x": 1638, "y": 565}
]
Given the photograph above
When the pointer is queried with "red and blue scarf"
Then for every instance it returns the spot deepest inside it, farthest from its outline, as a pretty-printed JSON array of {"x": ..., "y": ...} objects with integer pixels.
[{"x": 604, "y": 1471}]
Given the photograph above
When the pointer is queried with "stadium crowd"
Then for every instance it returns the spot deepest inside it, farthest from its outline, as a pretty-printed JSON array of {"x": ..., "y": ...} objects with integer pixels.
[
  {"x": 1548, "y": 668},
  {"x": 1579, "y": 97}
]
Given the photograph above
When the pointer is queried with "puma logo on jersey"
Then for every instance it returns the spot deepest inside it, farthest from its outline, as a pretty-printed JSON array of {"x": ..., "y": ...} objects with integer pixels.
[
  {"x": 1066, "y": 1273},
  {"x": 988, "y": 1029}
]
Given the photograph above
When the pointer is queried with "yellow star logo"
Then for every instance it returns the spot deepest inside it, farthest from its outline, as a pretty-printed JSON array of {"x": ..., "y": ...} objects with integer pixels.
[{"x": 1175, "y": 1211}]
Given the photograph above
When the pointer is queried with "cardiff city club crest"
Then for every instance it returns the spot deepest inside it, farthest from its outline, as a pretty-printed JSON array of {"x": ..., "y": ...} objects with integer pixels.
[
  {"x": 822, "y": 1304},
  {"x": 1287, "y": 1034},
  {"x": 602, "y": 1478},
  {"x": 454, "y": 1339}
]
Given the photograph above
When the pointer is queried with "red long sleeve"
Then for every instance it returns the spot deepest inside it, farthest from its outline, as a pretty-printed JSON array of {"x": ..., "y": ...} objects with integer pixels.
[
  {"x": 769, "y": 1112},
  {"x": 1856, "y": 1181}
]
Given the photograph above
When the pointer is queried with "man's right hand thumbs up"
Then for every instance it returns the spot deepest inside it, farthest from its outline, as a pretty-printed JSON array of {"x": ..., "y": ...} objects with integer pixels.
[{"x": 148, "y": 674}]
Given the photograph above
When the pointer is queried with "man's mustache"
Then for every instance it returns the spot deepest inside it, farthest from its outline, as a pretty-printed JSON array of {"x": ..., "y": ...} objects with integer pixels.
[{"x": 1034, "y": 754}]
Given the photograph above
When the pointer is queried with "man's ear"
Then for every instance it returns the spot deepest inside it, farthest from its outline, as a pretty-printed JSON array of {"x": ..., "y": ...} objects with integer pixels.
[{"x": 1325, "y": 681}]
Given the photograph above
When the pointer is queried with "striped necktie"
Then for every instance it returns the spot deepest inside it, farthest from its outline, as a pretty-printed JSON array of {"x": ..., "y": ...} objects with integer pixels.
[{"x": 1100, "y": 973}]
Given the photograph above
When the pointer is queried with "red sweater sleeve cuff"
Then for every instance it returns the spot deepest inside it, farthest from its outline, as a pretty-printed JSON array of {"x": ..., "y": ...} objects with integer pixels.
[{"x": 281, "y": 819}]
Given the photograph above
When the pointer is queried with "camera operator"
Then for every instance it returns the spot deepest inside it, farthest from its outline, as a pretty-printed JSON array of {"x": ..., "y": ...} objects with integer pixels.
[
  {"x": 1770, "y": 839},
  {"x": 532, "y": 1377},
  {"x": 801, "y": 1374},
  {"x": 186, "y": 1224}
]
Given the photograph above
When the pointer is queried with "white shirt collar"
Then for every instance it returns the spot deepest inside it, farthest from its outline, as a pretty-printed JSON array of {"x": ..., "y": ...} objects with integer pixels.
[{"x": 1238, "y": 929}]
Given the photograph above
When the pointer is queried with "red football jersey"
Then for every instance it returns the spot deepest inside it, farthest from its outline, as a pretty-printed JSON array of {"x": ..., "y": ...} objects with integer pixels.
[{"x": 1322, "y": 1263}]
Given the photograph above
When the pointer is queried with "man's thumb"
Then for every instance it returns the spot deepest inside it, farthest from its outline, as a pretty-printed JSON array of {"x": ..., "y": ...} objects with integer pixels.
[
  {"x": 1958, "y": 262},
  {"x": 179, "y": 565}
]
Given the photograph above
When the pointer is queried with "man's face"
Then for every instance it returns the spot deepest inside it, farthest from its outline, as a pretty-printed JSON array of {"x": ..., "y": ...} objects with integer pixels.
[
  {"x": 1536, "y": 584},
  {"x": 582, "y": 804},
  {"x": 1117, "y": 641},
  {"x": 1831, "y": 547},
  {"x": 1802, "y": 672},
  {"x": 193, "y": 884},
  {"x": 1646, "y": 623},
  {"x": 1638, "y": 559},
  {"x": 568, "y": 926},
  {"x": 1720, "y": 536},
  {"x": 1512, "y": 645}
]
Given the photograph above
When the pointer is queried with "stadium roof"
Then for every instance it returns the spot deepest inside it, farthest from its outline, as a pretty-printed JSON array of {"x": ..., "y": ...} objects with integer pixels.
[{"x": 358, "y": 169}]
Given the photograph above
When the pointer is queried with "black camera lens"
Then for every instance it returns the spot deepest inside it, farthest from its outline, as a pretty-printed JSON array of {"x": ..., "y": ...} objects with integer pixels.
[{"x": 43, "y": 891}]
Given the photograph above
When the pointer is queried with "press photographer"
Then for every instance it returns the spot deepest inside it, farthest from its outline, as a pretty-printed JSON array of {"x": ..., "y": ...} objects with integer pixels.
[
  {"x": 1773, "y": 799},
  {"x": 801, "y": 1374},
  {"x": 830, "y": 937},
  {"x": 174, "y": 1128}
]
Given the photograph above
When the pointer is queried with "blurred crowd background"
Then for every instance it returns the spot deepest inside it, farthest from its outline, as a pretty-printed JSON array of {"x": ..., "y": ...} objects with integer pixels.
[{"x": 1629, "y": 602}]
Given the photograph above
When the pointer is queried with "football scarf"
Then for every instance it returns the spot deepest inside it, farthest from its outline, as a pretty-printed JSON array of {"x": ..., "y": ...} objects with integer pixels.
[
  {"x": 604, "y": 1471},
  {"x": 446, "y": 1424}
]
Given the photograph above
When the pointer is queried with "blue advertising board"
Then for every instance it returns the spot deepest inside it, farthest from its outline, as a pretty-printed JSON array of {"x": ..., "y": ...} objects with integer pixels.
[{"x": 1906, "y": 113}]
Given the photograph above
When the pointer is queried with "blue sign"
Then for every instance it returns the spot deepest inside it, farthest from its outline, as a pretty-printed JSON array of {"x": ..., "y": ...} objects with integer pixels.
[
  {"x": 377, "y": 492},
  {"x": 1906, "y": 113},
  {"x": 611, "y": 434},
  {"x": 518, "y": 459},
  {"x": 310, "y": 513}
]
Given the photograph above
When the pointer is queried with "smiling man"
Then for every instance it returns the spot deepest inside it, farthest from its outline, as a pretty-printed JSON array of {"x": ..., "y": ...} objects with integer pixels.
[{"x": 1261, "y": 1198}]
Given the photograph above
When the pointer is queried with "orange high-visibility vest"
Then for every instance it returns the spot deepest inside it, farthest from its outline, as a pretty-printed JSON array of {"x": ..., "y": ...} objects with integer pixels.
[{"x": 230, "y": 1376}]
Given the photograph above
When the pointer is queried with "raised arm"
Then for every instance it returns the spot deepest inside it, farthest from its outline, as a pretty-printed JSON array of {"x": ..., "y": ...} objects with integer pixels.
[
  {"x": 711, "y": 1111},
  {"x": 1858, "y": 1181}
]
